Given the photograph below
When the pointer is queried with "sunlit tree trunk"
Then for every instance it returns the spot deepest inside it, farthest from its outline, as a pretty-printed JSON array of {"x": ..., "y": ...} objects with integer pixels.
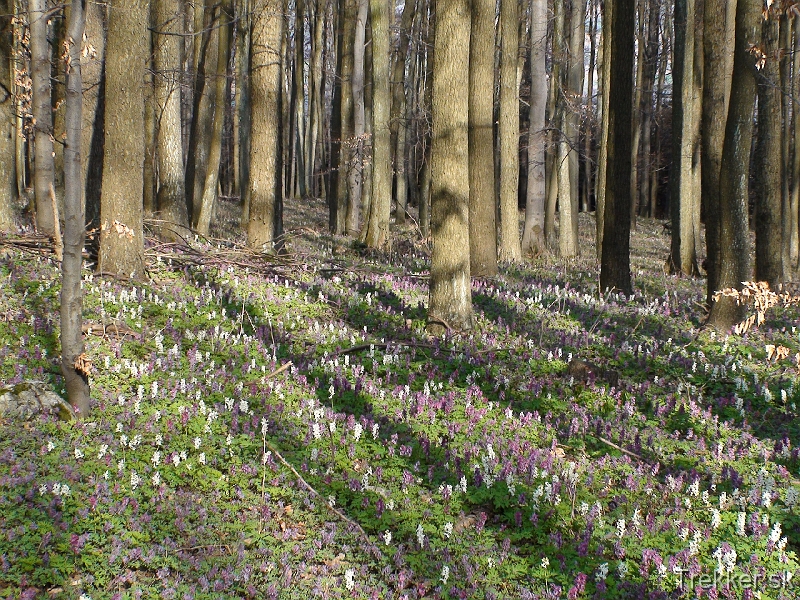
[
  {"x": 397, "y": 121},
  {"x": 615, "y": 272},
  {"x": 93, "y": 131},
  {"x": 794, "y": 202},
  {"x": 602, "y": 153},
  {"x": 768, "y": 160},
  {"x": 533, "y": 241},
  {"x": 683, "y": 254},
  {"x": 75, "y": 373},
  {"x": 482, "y": 206},
  {"x": 734, "y": 233},
  {"x": 716, "y": 85},
  {"x": 450, "y": 302},
  {"x": 8, "y": 127},
  {"x": 344, "y": 147},
  {"x": 380, "y": 202},
  {"x": 265, "y": 77},
  {"x": 121, "y": 235},
  {"x": 42, "y": 108},
  {"x": 355, "y": 175},
  {"x": 171, "y": 197},
  {"x": 509, "y": 247}
]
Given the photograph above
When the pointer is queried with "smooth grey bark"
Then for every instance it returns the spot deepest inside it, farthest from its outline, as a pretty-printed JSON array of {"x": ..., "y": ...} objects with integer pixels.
[
  {"x": 450, "y": 303},
  {"x": 482, "y": 205},
  {"x": 121, "y": 211},
  {"x": 42, "y": 109},
  {"x": 377, "y": 230},
  {"x": 356, "y": 171},
  {"x": 574, "y": 90},
  {"x": 75, "y": 373},
  {"x": 171, "y": 195},
  {"x": 567, "y": 201},
  {"x": 533, "y": 241},
  {"x": 342, "y": 144},
  {"x": 265, "y": 78},
  {"x": 683, "y": 253},
  {"x": 509, "y": 248},
  {"x": 398, "y": 122},
  {"x": 8, "y": 126},
  {"x": 209, "y": 199}
]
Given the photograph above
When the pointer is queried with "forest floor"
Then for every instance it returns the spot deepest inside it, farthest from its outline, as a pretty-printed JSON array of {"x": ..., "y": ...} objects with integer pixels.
[{"x": 284, "y": 427}]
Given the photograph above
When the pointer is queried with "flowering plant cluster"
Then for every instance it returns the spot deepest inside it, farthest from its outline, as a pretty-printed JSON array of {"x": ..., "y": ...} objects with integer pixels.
[{"x": 297, "y": 434}]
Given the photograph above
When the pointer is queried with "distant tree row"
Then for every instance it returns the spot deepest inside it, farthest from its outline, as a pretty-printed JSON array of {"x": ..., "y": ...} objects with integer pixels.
[{"x": 456, "y": 115}]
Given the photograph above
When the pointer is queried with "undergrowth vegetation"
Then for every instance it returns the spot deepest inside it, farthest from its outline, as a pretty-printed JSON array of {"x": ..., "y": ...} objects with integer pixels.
[{"x": 291, "y": 431}]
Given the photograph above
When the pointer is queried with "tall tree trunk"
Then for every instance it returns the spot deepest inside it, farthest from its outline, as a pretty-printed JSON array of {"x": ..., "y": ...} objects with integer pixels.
[
  {"x": 768, "y": 159},
  {"x": 209, "y": 198},
  {"x": 450, "y": 290},
  {"x": 121, "y": 235},
  {"x": 734, "y": 232},
  {"x": 650, "y": 61},
  {"x": 346, "y": 154},
  {"x": 663, "y": 60},
  {"x": 636, "y": 113},
  {"x": 716, "y": 86},
  {"x": 482, "y": 209},
  {"x": 73, "y": 368},
  {"x": 588, "y": 136},
  {"x": 93, "y": 132},
  {"x": 42, "y": 108},
  {"x": 171, "y": 198},
  {"x": 794, "y": 202},
  {"x": 206, "y": 46},
  {"x": 574, "y": 89},
  {"x": 398, "y": 123},
  {"x": 356, "y": 172},
  {"x": 369, "y": 142},
  {"x": 8, "y": 127},
  {"x": 380, "y": 202},
  {"x": 602, "y": 153},
  {"x": 533, "y": 241},
  {"x": 509, "y": 247},
  {"x": 265, "y": 78},
  {"x": 683, "y": 254},
  {"x": 243, "y": 106},
  {"x": 615, "y": 272},
  {"x": 149, "y": 174},
  {"x": 567, "y": 209},
  {"x": 316, "y": 99}
]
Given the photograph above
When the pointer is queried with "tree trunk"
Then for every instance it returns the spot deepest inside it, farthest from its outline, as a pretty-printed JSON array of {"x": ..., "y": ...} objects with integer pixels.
[
  {"x": 509, "y": 247},
  {"x": 72, "y": 351},
  {"x": 768, "y": 160},
  {"x": 42, "y": 108},
  {"x": 615, "y": 272},
  {"x": 482, "y": 209},
  {"x": 356, "y": 172},
  {"x": 588, "y": 137},
  {"x": 636, "y": 113},
  {"x": 450, "y": 302},
  {"x": 602, "y": 153},
  {"x": 209, "y": 198},
  {"x": 533, "y": 241},
  {"x": 149, "y": 173},
  {"x": 243, "y": 107},
  {"x": 648, "y": 80},
  {"x": 344, "y": 147},
  {"x": 121, "y": 235},
  {"x": 663, "y": 60},
  {"x": 8, "y": 127},
  {"x": 576, "y": 69},
  {"x": 716, "y": 86},
  {"x": 380, "y": 202},
  {"x": 205, "y": 51},
  {"x": 265, "y": 88},
  {"x": 398, "y": 123},
  {"x": 734, "y": 232},
  {"x": 683, "y": 255},
  {"x": 171, "y": 198},
  {"x": 794, "y": 202}
]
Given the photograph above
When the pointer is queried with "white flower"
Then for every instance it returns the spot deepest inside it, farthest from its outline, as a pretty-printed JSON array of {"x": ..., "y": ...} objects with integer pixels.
[
  {"x": 105, "y": 475},
  {"x": 602, "y": 571},
  {"x": 316, "y": 431},
  {"x": 332, "y": 426},
  {"x": 103, "y": 451},
  {"x": 716, "y": 519},
  {"x": 775, "y": 534},
  {"x": 358, "y": 429},
  {"x": 463, "y": 484},
  {"x": 134, "y": 480},
  {"x": 331, "y": 500},
  {"x": 374, "y": 431},
  {"x": 620, "y": 527},
  {"x": 50, "y": 446},
  {"x": 740, "y": 524},
  {"x": 85, "y": 597},
  {"x": 176, "y": 459},
  {"x": 420, "y": 534},
  {"x": 445, "y": 574},
  {"x": 243, "y": 406},
  {"x": 43, "y": 489},
  {"x": 622, "y": 568},
  {"x": 197, "y": 442},
  {"x": 159, "y": 439},
  {"x": 545, "y": 562},
  {"x": 156, "y": 460},
  {"x": 387, "y": 537},
  {"x": 349, "y": 581},
  {"x": 448, "y": 530},
  {"x": 121, "y": 465},
  {"x": 202, "y": 458},
  {"x": 156, "y": 479}
]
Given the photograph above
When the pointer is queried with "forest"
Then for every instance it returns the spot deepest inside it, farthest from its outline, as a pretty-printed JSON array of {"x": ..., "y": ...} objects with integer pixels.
[{"x": 409, "y": 299}]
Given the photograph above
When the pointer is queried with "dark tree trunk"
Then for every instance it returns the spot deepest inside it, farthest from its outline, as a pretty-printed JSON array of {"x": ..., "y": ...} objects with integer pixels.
[
  {"x": 768, "y": 161},
  {"x": 734, "y": 232},
  {"x": 8, "y": 129},
  {"x": 615, "y": 272},
  {"x": 73, "y": 366}
]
